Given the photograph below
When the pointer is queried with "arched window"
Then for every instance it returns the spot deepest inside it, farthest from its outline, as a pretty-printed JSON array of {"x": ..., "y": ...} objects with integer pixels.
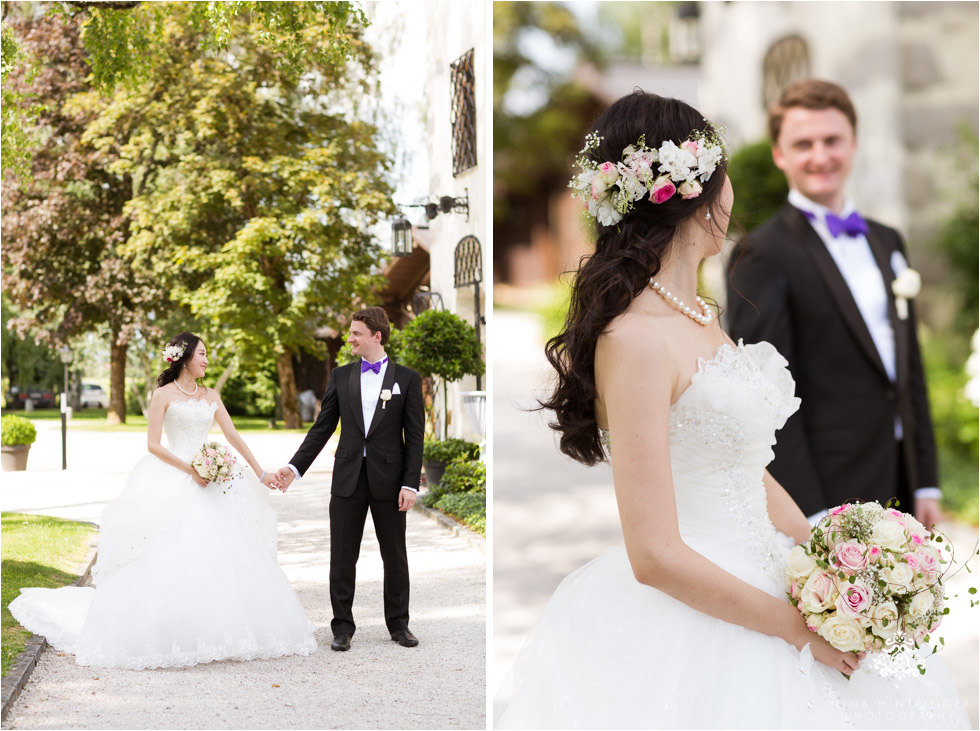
[{"x": 787, "y": 61}]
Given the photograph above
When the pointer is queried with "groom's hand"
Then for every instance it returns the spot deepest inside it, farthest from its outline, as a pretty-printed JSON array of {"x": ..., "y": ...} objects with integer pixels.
[
  {"x": 406, "y": 499},
  {"x": 285, "y": 477}
]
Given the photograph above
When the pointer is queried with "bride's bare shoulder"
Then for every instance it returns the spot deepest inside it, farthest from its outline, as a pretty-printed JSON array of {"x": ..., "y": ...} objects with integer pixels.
[{"x": 633, "y": 335}]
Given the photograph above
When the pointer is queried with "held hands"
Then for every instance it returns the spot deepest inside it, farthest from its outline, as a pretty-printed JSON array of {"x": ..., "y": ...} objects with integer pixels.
[
  {"x": 406, "y": 499},
  {"x": 270, "y": 480},
  {"x": 283, "y": 478}
]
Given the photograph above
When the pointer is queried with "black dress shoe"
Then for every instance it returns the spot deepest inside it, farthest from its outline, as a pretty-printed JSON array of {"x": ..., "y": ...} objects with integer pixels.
[
  {"x": 341, "y": 643},
  {"x": 405, "y": 638}
]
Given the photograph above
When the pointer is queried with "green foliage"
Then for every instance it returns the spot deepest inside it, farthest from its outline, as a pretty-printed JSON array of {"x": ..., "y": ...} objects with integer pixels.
[
  {"x": 253, "y": 394},
  {"x": 469, "y": 508},
  {"x": 26, "y": 363},
  {"x": 955, "y": 422},
  {"x": 450, "y": 450},
  {"x": 393, "y": 348},
  {"x": 461, "y": 476},
  {"x": 760, "y": 187},
  {"x": 16, "y": 430},
  {"x": 959, "y": 242},
  {"x": 441, "y": 343},
  {"x": 39, "y": 551}
]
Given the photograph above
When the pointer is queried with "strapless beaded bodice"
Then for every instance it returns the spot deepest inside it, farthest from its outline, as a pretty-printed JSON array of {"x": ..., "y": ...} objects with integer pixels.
[
  {"x": 186, "y": 424},
  {"x": 722, "y": 429}
]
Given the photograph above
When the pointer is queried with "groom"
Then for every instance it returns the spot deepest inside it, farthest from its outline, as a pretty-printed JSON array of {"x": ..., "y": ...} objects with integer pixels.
[
  {"x": 818, "y": 282},
  {"x": 377, "y": 465}
]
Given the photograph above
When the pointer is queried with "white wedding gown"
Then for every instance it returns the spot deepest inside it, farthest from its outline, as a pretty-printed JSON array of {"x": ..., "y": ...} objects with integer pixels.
[
  {"x": 609, "y": 652},
  {"x": 184, "y": 574}
]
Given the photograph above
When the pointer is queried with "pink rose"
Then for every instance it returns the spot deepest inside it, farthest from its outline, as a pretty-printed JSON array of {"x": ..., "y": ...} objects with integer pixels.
[
  {"x": 663, "y": 189},
  {"x": 897, "y": 515},
  {"x": 850, "y": 556},
  {"x": 916, "y": 539},
  {"x": 840, "y": 509},
  {"x": 912, "y": 560},
  {"x": 819, "y": 592},
  {"x": 690, "y": 146},
  {"x": 854, "y": 600},
  {"x": 598, "y": 187},
  {"x": 689, "y": 189},
  {"x": 794, "y": 590},
  {"x": 928, "y": 559},
  {"x": 874, "y": 553}
]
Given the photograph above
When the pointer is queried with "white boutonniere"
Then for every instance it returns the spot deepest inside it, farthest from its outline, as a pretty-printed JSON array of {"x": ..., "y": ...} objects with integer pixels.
[
  {"x": 905, "y": 286},
  {"x": 385, "y": 397}
]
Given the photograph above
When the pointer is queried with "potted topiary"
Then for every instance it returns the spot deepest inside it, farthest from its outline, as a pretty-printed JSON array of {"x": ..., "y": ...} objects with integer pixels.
[
  {"x": 17, "y": 434},
  {"x": 440, "y": 343},
  {"x": 437, "y": 454}
]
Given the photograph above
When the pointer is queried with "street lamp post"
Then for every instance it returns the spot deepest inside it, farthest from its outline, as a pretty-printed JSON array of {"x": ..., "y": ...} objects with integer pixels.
[{"x": 66, "y": 358}]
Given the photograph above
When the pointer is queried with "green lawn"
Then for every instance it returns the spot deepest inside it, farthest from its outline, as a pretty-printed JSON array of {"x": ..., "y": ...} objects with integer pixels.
[
  {"x": 95, "y": 420},
  {"x": 37, "y": 551}
]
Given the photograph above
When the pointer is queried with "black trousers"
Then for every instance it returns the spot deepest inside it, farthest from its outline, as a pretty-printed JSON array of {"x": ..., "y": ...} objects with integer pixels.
[{"x": 347, "y": 517}]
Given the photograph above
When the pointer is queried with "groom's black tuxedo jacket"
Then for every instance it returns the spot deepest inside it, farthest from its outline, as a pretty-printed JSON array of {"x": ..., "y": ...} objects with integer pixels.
[
  {"x": 785, "y": 288},
  {"x": 393, "y": 439}
]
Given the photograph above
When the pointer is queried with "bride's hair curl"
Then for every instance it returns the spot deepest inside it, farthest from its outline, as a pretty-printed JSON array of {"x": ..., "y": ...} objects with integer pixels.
[
  {"x": 627, "y": 254},
  {"x": 185, "y": 341}
]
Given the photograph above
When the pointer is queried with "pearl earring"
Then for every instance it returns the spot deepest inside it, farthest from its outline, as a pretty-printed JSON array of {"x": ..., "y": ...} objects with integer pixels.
[{"x": 707, "y": 216}]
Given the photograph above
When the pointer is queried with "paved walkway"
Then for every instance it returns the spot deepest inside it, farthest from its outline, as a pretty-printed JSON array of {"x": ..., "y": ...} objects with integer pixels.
[
  {"x": 377, "y": 684},
  {"x": 552, "y": 515}
]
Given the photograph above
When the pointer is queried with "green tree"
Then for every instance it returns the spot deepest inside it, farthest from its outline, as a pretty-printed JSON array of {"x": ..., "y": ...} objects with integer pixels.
[
  {"x": 121, "y": 39},
  {"x": 442, "y": 344},
  {"x": 64, "y": 222},
  {"x": 255, "y": 192}
]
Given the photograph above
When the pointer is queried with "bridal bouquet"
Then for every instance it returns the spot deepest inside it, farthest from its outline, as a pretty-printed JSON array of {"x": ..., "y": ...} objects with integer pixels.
[
  {"x": 215, "y": 462},
  {"x": 869, "y": 578}
]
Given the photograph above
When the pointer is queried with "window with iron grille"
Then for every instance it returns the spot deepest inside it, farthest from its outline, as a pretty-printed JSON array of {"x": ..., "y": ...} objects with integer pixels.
[
  {"x": 463, "y": 113},
  {"x": 469, "y": 262}
]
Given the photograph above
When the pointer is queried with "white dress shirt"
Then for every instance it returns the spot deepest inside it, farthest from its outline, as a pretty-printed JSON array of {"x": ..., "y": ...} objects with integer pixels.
[
  {"x": 370, "y": 393},
  {"x": 857, "y": 265}
]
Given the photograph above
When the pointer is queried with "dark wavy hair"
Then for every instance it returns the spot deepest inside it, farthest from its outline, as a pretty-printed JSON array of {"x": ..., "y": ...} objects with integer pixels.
[
  {"x": 626, "y": 256},
  {"x": 189, "y": 342}
]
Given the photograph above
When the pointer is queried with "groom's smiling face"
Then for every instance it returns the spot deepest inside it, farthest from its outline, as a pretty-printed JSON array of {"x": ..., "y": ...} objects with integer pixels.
[
  {"x": 815, "y": 150},
  {"x": 362, "y": 341}
]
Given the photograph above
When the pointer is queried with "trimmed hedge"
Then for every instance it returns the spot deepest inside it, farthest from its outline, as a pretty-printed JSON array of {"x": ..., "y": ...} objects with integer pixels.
[
  {"x": 462, "y": 494},
  {"x": 469, "y": 508},
  {"x": 450, "y": 450}
]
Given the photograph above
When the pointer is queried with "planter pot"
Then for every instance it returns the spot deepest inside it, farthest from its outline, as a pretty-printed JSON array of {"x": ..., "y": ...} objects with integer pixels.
[
  {"x": 433, "y": 472},
  {"x": 14, "y": 458}
]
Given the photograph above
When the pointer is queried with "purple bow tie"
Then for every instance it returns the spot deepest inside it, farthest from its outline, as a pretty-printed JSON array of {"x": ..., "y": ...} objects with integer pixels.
[
  {"x": 376, "y": 367},
  {"x": 852, "y": 225}
]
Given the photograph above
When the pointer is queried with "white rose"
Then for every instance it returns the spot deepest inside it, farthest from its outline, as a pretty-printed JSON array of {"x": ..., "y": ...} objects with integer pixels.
[
  {"x": 815, "y": 621},
  {"x": 606, "y": 213},
  {"x": 884, "y": 620},
  {"x": 921, "y": 603},
  {"x": 799, "y": 564},
  {"x": 889, "y": 534},
  {"x": 907, "y": 284},
  {"x": 899, "y": 577},
  {"x": 842, "y": 633},
  {"x": 819, "y": 592},
  {"x": 689, "y": 189}
]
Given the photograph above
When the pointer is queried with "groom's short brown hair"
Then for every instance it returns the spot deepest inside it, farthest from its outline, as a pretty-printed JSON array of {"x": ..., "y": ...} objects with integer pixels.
[
  {"x": 376, "y": 320},
  {"x": 810, "y": 94}
]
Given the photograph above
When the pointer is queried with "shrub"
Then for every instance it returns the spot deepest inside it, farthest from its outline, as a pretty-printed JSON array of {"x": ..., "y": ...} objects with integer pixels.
[
  {"x": 459, "y": 477},
  {"x": 450, "y": 450},
  {"x": 469, "y": 508},
  {"x": 15, "y": 430}
]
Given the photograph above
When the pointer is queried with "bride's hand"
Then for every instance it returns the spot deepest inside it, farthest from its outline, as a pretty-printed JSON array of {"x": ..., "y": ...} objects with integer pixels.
[
  {"x": 823, "y": 651},
  {"x": 202, "y": 481}
]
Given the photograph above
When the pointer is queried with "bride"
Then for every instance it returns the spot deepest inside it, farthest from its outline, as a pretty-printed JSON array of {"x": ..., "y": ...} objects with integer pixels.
[
  {"x": 186, "y": 571},
  {"x": 689, "y": 627}
]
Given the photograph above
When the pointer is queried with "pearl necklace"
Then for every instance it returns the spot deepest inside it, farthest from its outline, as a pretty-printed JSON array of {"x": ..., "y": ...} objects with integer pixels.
[
  {"x": 187, "y": 393},
  {"x": 704, "y": 317}
]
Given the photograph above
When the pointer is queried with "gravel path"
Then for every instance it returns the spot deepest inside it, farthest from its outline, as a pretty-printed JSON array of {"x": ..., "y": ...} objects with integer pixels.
[{"x": 377, "y": 684}]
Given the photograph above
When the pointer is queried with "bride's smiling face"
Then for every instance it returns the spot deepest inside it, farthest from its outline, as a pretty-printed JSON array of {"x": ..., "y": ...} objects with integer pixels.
[{"x": 198, "y": 362}]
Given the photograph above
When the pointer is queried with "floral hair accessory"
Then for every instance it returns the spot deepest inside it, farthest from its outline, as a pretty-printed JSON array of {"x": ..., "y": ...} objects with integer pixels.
[
  {"x": 610, "y": 189},
  {"x": 173, "y": 353}
]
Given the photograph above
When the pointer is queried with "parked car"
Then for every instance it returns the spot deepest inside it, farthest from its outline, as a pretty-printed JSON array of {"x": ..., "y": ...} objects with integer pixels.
[
  {"x": 43, "y": 398},
  {"x": 94, "y": 396}
]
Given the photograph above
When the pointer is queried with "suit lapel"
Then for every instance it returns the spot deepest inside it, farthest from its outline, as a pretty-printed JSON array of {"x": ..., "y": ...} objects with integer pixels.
[
  {"x": 354, "y": 390},
  {"x": 883, "y": 258},
  {"x": 379, "y": 410},
  {"x": 831, "y": 274}
]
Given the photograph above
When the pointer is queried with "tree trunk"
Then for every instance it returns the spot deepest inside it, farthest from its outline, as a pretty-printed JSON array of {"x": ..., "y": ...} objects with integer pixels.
[
  {"x": 287, "y": 389},
  {"x": 223, "y": 378},
  {"x": 117, "y": 383}
]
